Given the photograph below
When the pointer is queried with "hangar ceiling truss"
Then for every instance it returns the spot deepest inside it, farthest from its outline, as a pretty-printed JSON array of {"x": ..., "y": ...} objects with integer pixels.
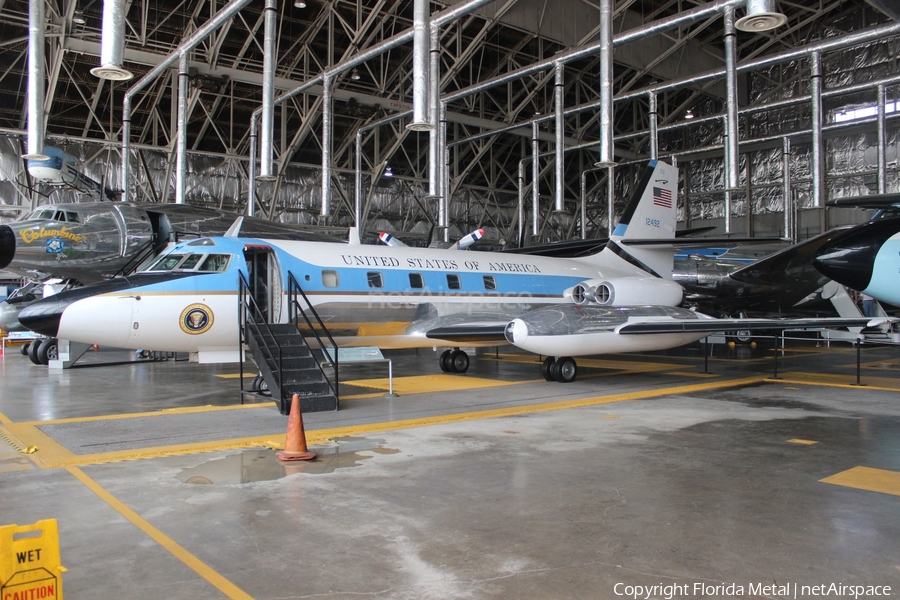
[{"x": 226, "y": 73}]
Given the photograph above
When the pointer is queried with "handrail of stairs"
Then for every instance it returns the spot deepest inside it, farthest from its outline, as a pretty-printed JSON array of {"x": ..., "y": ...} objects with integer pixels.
[
  {"x": 294, "y": 293},
  {"x": 247, "y": 305},
  {"x": 145, "y": 252}
]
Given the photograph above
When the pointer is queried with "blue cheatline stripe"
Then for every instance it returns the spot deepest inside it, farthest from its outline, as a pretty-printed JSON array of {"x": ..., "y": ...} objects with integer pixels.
[
  {"x": 620, "y": 229},
  {"x": 355, "y": 279}
]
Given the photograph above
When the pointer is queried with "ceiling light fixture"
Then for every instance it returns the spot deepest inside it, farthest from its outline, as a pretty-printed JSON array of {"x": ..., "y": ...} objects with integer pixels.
[
  {"x": 299, "y": 4},
  {"x": 354, "y": 74},
  {"x": 388, "y": 172},
  {"x": 688, "y": 114},
  {"x": 761, "y": 16},
  {"x": 78, "y": 18}
]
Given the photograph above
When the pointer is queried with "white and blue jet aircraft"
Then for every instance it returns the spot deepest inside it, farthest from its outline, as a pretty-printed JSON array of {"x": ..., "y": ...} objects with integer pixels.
[
  {"x": 866, "y": 257},
  {"x": 402, "y": 297}
]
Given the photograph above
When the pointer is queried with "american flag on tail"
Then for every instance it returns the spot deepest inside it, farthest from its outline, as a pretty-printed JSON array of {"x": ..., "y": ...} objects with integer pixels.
[{"x": 662, "y": 197}]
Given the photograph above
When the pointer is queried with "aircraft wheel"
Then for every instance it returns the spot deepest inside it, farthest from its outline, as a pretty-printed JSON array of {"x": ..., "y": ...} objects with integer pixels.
[
  {"x": 565, "y": 370},
  {"x": 547, "y": 367},
  {"x": 460, "y": 361},
  {"x": 24, "y": 349},
  {"x": 33, "y": 351},
  {"x": 743, "y": 337},
  {"x": 48, "y": 350},
  {"x": 446, "y": 361}
]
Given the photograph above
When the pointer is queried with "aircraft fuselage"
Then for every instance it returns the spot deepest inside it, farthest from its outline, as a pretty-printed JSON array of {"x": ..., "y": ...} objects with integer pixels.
[{"x": 367, "y": 295}]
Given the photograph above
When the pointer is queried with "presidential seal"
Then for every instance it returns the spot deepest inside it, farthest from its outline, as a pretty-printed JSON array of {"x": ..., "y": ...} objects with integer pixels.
[{"x": 196, "y": 319}]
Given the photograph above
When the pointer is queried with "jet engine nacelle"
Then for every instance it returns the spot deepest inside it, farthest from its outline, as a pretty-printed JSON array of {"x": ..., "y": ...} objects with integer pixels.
[{"x": 627, "y": 291}]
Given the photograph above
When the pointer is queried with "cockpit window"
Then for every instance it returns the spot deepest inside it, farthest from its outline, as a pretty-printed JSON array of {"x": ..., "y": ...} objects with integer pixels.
[
  {"x": 166, "y": 263},
  {"x": 215, "y": 262},
  {"x": 206, "y": 263},
  {"x": 51, "y": 214},
  {"x": 42, "y": 214},
  {"x": 190, "y": 262}
]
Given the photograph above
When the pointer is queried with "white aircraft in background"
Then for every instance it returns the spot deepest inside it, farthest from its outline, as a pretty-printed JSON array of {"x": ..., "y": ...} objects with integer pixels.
[
  {"x": 866, "y": 257},
  {"x": 397, "y": 297}
]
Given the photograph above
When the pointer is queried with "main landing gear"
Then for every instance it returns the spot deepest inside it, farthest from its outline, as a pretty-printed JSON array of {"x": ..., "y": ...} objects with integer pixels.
[
  {"x": 42, "y": 351},
  {"x": 559, "y": 368},
  {"x": 454, "y": 361}
]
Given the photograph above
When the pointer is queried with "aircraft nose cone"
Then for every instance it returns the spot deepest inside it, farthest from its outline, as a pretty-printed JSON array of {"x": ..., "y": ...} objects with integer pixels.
[
  {"x": 43, "y": 316},
  {"x": 7, "y": 246},
  {"x": 849, "y": 258}
]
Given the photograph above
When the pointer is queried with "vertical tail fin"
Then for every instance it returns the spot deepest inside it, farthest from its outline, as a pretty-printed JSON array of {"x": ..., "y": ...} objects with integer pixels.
[{"x": 649, "y": 216}]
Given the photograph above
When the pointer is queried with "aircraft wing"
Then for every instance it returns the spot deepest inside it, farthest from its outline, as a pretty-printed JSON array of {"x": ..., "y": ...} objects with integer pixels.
[
  {"x": 704, "y": 242},
  {"x": 470, "y": 333},
  {"x": 719, "y": 325},
  {"x": 875, "y": 201}
]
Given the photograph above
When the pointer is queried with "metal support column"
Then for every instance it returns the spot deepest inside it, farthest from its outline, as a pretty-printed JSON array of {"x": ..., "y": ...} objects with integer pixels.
[{"x": 181, "y": 136}]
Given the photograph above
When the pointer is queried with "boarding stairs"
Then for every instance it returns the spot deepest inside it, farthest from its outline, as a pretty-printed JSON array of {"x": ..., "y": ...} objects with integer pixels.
[{"x": 287, "y": 362}]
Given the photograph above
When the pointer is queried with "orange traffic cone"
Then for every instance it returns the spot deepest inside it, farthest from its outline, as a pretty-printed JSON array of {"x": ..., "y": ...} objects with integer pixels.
[{"x": 295, "y": 444}]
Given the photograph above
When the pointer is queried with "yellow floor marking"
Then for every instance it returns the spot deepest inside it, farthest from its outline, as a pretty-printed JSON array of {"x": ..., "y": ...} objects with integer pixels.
[
  {"x": 194, "y": 563},
  {"x": 420, "y": 384},
  {"x": 633, "y": 366},
  {"x": 883, "y": 384},
  {"x": 834, "y": 349},
  {"x": 158, "y": 413},
  {"x": 4, "y": 420},
  {"x": 692, "y": 374},
  {"x": 361, "y": 396},
  {"x": 235, "y": 375},
  {"x": 881, "y": 365},
  {"x": 867, "y": 478},
  {"x": 323, "y": 435},
  {"x": 890, "y": 361},
  {"x": 802, "y": 442},
  {"x": 51, "y": 454}
]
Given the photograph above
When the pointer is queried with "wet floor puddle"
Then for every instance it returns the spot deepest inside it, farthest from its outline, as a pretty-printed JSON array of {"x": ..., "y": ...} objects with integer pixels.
[{"x": 260, "y": 464}]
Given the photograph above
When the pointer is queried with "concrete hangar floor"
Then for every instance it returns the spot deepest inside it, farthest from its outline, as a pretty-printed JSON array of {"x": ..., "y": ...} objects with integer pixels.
[{"x": 646, "y": 471}]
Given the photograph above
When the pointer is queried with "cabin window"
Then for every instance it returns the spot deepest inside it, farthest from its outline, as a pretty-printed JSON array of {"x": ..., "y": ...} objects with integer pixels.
[
  {"x": 415, "y": 281},
  {"x": 375, "y": 279},
  {"x": 215, "y": 262},
  {"x": 330, "y": 279},
  {"x": 453, "y": 282},
  {"x": 72, "y": 217},
  {"x": 490, "y": 284}
]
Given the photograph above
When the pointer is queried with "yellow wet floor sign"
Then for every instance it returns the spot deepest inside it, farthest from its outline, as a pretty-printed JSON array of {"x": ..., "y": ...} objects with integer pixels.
[{"x": 29, "y": 562}]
